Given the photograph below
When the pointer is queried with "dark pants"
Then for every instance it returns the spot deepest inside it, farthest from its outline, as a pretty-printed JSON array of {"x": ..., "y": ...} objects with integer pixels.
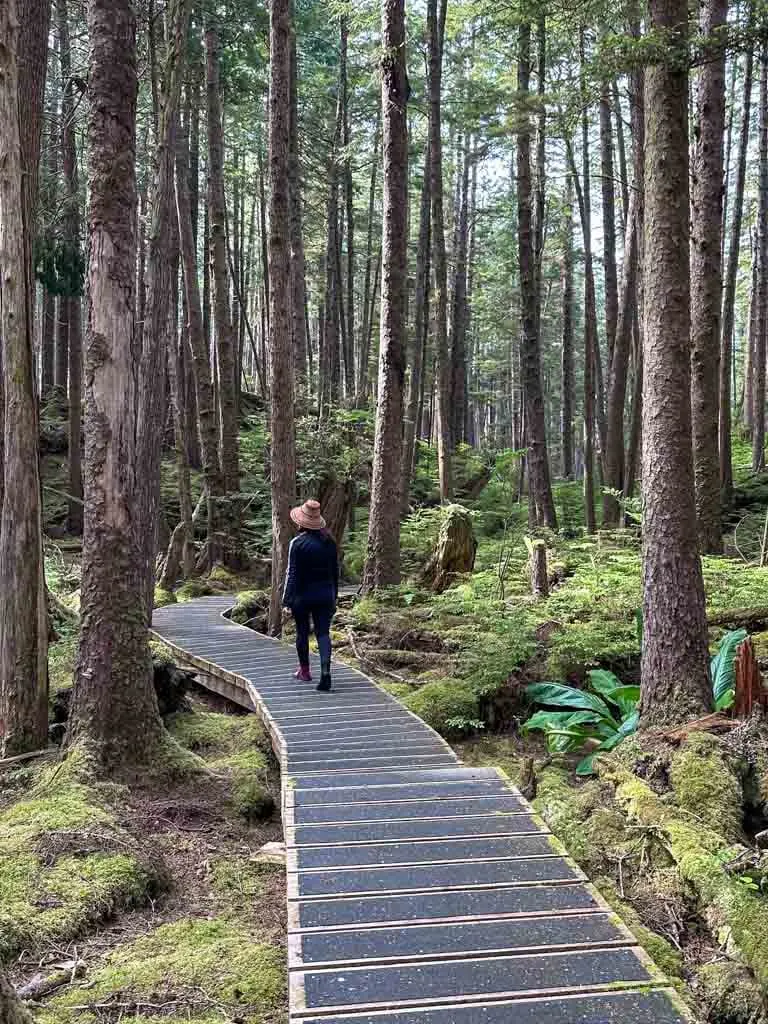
[{"x": 321, "y": 615}]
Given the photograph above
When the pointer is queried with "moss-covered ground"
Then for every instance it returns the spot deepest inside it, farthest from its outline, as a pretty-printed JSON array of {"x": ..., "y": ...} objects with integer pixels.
[{"x": 150, "y": 894}]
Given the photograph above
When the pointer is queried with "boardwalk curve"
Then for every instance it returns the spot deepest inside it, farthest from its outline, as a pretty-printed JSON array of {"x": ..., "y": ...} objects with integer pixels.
[{"x": 420, "y": 891}]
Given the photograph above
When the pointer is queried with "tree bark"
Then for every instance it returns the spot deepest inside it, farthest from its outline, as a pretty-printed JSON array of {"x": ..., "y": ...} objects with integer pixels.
[
  {"x": 225, "y": 342},
  {"x": 459, "y": 308},
  {"x": 706, "y": 274},
  {"x": 418, "y": 341},
  {"x": 201, "y": 365},
  {"x": 283, "y": 455},
  {"x": 540, "y": 496},
  {"x": 298, "y": 269},
  {"x": 363, "y": 348},
  {"x": 61, "y": 353},
  {"x": 729, "y": 290},
  {"x": 383, "y": 559},
  {"x": 114, "y": 706},
  {"x": 47, "y": 344},
  {"x": 609, "y": 223},
  {"x": 23, "y": 621},
  {"x": 759, "y": 361},
  {"x": 436, "y": 10},
  {"x": 158, "y": 335},
  {"x": 567, "y": 369},
  {"x": 349, "y": 208},
  {"x": 617, "y": 389},
  {"x": 73, "y": 256},
  {"x": 675, "y": 683}
]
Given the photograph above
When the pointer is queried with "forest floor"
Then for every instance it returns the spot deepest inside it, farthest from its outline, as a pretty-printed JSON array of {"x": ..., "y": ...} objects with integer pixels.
[
  {"x": 150, "y": 901},
  {"x": 110, "y": 882}
]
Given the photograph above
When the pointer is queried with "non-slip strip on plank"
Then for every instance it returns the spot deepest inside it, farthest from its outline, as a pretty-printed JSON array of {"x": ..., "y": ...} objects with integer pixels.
[{"x": 420, "y": 890}]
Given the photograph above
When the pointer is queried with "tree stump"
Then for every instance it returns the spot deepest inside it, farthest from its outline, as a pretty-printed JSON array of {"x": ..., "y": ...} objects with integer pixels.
[
  {"x": 538, "y": 569},
  {"x": 455, "y": 552}
]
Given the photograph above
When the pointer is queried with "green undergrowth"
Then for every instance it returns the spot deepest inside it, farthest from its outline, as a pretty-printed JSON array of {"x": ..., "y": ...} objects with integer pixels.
[
  {"x": 64, "y": 861},
  {"x": 495, "y": 635},
  {"x": 195, "y": 962}
]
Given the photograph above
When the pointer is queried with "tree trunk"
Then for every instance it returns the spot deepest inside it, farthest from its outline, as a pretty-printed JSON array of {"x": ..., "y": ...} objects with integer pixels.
[
  {"x": 114, "y": 706},
  {"x": 74, "y": 257},
  {"x": 298, "y": 269},
  {"x": 349, "y": 206},
  {"x": 61, "y": 354},
  {"x": 436, "y": 10},
  {"x": 225, "y": 342},
  {"x": 540, "y": 496},
  {"x": 383, "y": 558},
  {"x": 617, "y": 388},
  {"x": 609, "y": 223},
  {"x": 729, "y": 291},
  {"x": 758, "y": 365},
  {"x": 567, "y": 375},
  {"x": 201, "y": 366},
  {"x": 706, "y": 274},
  {"x": 622, "y": 151},
  {"x": 162, "y": 264},
  {"x": 459, "y": 308},
  {"x": 283, "y": 455},
  {"x": 47, "y": 343},
  {"x": 675, "y": 665},
  {"x": 23, "y": 622},
  {"x": 363, "y": 349},
  {"x": 418, "y": 341}
]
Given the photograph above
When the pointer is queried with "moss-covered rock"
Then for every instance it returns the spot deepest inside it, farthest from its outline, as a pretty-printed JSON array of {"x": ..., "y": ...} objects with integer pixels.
[
  {"x": 449, "y": 706},
  {"x": 193, "y": 589},
  {"x": 196, "y": 962},
  {"x": 728, "y": 994},
  {"x": 251, "y": 608},
  {"x": 250, "y": 795},
  {"x": 164, "y": 597},
  {"x": 63, "y": 861},
  {"x": 706, "y": 784},
  {"x": 215, "y": 735}
]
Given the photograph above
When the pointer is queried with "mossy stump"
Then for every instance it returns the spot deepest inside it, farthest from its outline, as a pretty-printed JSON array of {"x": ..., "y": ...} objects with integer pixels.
[{"x": 455, "y": 552}]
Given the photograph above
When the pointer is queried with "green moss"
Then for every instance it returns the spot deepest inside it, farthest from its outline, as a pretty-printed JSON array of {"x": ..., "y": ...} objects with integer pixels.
[
  {"x": 728, "y": 994},
  {"x": 580, "y": 816},
  {"x": 735, "y": 914},
  {"x": 249, "y": 605},
  {"x": 706, "y": 785},
  {"x": 663, "y": 953},
  {"x": 193, "y": 589},
  {"x": 199, "y": 961},
  {"x": 450, "y": 706},
  {"x": 214, "y": 735},
  {"x": 239, "y": 881},
  {"x": 63, "y": 860},
  {"x": 164, "y": 597},
  {"x": 249, "y": 793}
]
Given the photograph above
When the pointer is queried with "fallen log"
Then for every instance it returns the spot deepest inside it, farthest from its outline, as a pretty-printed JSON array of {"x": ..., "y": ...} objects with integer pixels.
[{"x": 735, "y": 618}]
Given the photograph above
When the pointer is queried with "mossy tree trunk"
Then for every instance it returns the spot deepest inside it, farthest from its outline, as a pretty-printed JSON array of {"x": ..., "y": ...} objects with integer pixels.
[
  {"x": 114, "y": 707},
  {"x": 23, "y": 614},
  {"x": 675, "y": 664}
]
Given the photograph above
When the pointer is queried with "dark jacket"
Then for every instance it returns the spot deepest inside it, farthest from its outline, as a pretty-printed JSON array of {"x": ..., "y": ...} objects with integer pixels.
[{"x": 313, "y": 570}]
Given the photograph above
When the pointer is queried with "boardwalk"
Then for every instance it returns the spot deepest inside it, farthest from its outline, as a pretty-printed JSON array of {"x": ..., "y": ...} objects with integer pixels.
[{"x": 420, "y": 891}]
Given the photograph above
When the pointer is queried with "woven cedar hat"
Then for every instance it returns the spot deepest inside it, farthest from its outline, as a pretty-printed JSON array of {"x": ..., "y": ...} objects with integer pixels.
[{"x": 307, "y": 516}]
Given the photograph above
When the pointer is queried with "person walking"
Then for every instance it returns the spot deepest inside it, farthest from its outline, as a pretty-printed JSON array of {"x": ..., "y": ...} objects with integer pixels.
[{"x": 312, "y": 588}]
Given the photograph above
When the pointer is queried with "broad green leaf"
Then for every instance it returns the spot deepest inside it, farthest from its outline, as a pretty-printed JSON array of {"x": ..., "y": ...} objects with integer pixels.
[
  {"x": 722, "y": 665},
  {"x": 557, "y": 695},
  {"x": 558, "y": 720},
  {"x": 604, "y": 682},
  {"x": 627, "y": 698},
  {"x": 725, "y": 701},
  {"x": 587, "y": 765}
]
